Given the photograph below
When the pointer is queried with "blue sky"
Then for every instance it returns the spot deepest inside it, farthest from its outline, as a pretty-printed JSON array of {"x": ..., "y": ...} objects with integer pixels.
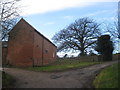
[{"x": 54, "y": 18}]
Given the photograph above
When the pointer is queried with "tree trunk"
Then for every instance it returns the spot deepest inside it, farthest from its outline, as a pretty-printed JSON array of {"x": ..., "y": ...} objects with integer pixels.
[{"x": 82, "y": 52}]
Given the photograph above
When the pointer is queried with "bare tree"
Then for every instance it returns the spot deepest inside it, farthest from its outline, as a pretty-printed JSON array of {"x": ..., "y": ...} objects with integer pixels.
[
  {"x": 8, "y": 14},
  {"x": 78, "y": 36},
  {"x": 118, "y": 20},
  {"x": 113, "y": 29}
]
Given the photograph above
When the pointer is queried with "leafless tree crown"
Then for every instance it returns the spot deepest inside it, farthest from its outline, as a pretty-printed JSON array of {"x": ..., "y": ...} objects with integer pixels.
[
  {"x": 78, "y": 36},
  {"x": 9, "y": 12}
]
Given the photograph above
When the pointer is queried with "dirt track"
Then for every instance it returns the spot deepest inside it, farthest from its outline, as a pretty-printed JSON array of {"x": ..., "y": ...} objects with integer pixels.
[{"x": 79, "y": 78}]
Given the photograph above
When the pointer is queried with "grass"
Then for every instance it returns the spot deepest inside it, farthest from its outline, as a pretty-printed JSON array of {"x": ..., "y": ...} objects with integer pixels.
[
  {"x": 61, "y": 65},
  {"x": 7, "y": 80},
  {"x": 108, "y": 78}
]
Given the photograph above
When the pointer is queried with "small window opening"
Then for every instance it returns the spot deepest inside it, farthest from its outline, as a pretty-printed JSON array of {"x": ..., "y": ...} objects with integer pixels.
[{"x": 46, "y": 51}]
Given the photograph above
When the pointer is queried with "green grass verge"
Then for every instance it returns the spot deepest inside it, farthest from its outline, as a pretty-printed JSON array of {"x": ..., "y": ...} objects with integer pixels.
[
  {"x": 62, "y": 65},
  {"x": 108, "y": 78},
  {"x": 7, "y": 80}
]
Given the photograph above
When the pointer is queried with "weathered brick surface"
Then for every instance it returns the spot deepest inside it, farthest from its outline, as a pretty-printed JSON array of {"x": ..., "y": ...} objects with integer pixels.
[
  {"x": 37, "y": 50},
  {"x": 4, "y": 54},
  {"x": 27, "y": 47},
  {"x": 0, "y": 54},
  {"x": 49, "y": 53}
]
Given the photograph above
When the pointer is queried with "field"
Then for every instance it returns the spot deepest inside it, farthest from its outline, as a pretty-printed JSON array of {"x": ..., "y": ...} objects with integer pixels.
[
  {"x": 108, "y": 78},
  {"x": 61, "y": 65}
]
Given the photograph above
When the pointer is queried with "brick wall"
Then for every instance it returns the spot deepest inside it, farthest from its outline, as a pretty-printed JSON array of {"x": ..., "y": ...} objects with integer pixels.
[
  {"x": 43, "y": 51},
  {"x": 27, "y": 47},
  {"x": 37, "y": 49},
  {"x": 4, "y": 55},
  {"x": 49, "y": 52},
  {"x": 20, "y": 46}
]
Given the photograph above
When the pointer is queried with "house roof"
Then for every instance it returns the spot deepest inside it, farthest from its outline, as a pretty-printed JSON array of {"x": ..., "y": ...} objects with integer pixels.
[{"x": 35, "y": 31}]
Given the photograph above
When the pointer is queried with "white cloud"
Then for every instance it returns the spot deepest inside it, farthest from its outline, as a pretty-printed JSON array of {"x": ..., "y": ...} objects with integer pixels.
[
  {"x": 113, "y": 19},
  {"x": 68, "y": 17},
  {"x": 69, "y": 54},
  {"x": 96, "y": 13},
  {"x": 114, "y": 12},
  {"x": 103, "y": 12},
  {"x": 43, "y": 6},
  {"x": 49, "y": 23}
]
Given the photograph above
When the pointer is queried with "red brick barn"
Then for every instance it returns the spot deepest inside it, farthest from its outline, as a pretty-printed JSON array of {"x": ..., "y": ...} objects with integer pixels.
[
  {"x": 4, "y": 52},
  {"x": 28, "y": 47}
]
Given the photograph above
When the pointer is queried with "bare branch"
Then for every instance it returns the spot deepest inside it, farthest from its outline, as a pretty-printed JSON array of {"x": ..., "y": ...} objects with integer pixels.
[
  {"x": 78, "y": 36},
  {"x": 8, "y": 15}
]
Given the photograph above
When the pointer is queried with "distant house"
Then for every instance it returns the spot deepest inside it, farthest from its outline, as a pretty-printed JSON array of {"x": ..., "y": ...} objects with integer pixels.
[{"x": 28, "y": 47}]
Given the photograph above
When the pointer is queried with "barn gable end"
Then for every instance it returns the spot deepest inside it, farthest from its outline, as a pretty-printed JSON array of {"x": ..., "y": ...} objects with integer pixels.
[{"x": 28, "y": 47}]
